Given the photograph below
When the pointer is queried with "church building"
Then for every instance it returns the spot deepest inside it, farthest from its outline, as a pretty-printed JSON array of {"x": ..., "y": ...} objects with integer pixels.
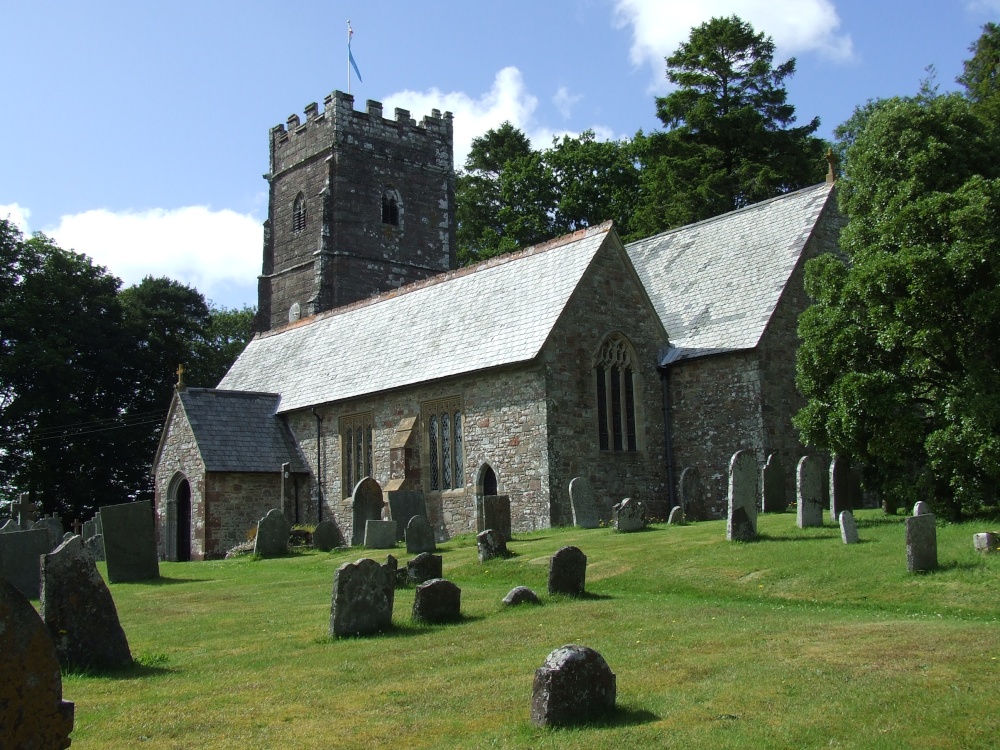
[{"x": 376, "y": 356}]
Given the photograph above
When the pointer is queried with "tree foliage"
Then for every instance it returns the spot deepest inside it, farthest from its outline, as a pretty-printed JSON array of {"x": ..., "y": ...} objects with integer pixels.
[{"x": 981, "y": 75}]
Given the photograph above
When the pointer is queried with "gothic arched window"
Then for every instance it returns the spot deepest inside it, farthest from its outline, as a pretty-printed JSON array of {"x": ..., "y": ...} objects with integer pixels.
[
  {"x": 299, "y": 213},
  {"x": 615, "y": 382},
  {"x": 390, "y": 207}
]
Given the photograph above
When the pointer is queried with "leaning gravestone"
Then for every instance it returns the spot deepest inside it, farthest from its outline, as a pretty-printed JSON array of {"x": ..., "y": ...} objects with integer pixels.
[
  {"x": 404, "y": 505},
  {"x": 848, "y": 528},
  {"x": 921, "y": 508},
  {"x": 19, "y": 559},
  {"x": 437, "y": 600},
  {"x": 95, "y": 546},
  {"x": 424, "y": 567},
  {"x": 419, "y": 536},
  {"x": 272, "y": 534},
  {"x": 130, "y": 542},
  {"x": 809, "y": 492},
  {"x": 574, "y": 684},
  {"x": 676, "y": 517},
  {"x": 363, "y": 593},
  {"x": 772, "y": 486},
  {"x": 380, "y": 534},
  {"x": 494, "y": 513},
  {"x": 520, "y": 595},
  {"x": 326, "y": 536},
  {"x": 9, "y": 526},
  {"x": 840, "y": 486},
  {"x": 32, "y": 711},
  {"x": 79, "y": 612},
  {"x": 921, "y": 543},
  {"x": 491, "y": 544},
  {"x": 53, "y": 526},
  {"x": 629, "y": 515},
  {"x": 581, "y": 499},
  {"x": 692, "y": 494},
  {"x": 568, "y": 572},
  {"x": 741, "y": 525}
]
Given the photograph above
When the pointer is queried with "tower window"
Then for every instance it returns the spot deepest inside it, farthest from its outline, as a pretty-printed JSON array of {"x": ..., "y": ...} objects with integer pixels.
[
  {"x": 615, "y": 382},
  {"x": 390, "y": 207},
  {"x": 299, "y": 213}
]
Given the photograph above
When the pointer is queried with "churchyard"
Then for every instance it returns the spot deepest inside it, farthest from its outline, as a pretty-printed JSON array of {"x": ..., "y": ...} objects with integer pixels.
[{"x": 794, "y": 640}]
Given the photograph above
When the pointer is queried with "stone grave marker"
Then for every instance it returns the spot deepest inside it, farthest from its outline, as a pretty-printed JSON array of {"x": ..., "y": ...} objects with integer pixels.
[
  {"x": 20, "y": 552},
  {"x": 568, "y": 572},
  {"x": 692, "y": 492},
  {"x": 809, "y": 492},
  {"x": 629, "y": 515},
  {"x": 79, "y": 612},
  {"x": 380, "y": 534},
  {"x": 32, "y": 711},
  {"x": 326, "y": 536},
  {"x": 986, "y": 541},
  {"x": 581, "y": 499},
  {"x": 89, "y": 529},
  {"x": 25, "y": 510},
  {"x": 920, "y": 508},
  {"x": 520, "y": 595},
  {"x": 367, "y": 504},
  {"x": 363, "y": 594},
  {"x": 53, "y": 527},
  {"x": 741, "y": 525},
  {"x": 424, "y": 567},
  {"x": 419, "y": 536},
  {"x": 840, "y": 486},
  {"x": 491, "y": 544},
  {"x": 130, "y": 542},
  {"x": 95, "y": 546},
  {"x": 676, "y": 517},
  {"x": 848, "y": 527},
  {"x": 494, "y": 513},
  {"x": 272, "y": 534},
  {"x": 9, "y": 526},
  {"x": 772, "y": 486},
  {"x": 404, "y": 505},
  {"x": 575, "y": 684},
  {"x": 437, "y": 600},
  {"x": 921, "y": 543}
]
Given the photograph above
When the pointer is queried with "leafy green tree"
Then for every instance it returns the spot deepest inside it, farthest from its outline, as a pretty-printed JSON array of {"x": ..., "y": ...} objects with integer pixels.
[
  {"x": 225, "y": 336},
  {"x": 981, "y": 75}
]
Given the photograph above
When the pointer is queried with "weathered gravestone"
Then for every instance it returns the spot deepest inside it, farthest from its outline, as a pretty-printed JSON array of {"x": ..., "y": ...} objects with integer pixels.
[
  {"x": 848, "y": 528},
  {"x": 676, "y": 517},
  {"x": 363, "y": 593},
  {"x": 437, "y": 600},
  {"x": 367, "y": 504},
  {"x": 629, "y": 515},
  {"x": 403, "y": 506},
  {"x": 79, "y": 612},
  {"x": 67, "y": 536},
  {"x": 380, "y": 534},
  {"x": 840, "y": 487},
  {"x": 53, "y": 527},
  {"x": 581, "y": 499},
  {"x": 921, "y": 543},
  {"x": 326, "y": 536},
  {"x": 809, "y": 492},
  {"x": 272, "y": 534},
  {"x": 419, "y": 536},
  {"x": 741, "y": 525},
  {"x": 130, "y": 542},
  {"x": 921, "y": 508},
  {"x": 493, "y": 512},
  {"x": 521, "y": 595},
  {"x": 95, "y": 546},
  {"x": 986, "y": 541},
  {"x": 568, "y": 572},
  {"x": 89, "y": 529},
  {"x": 9, "y": 526},
  {"x": 772, "y": 486},
  {"x": 32, "y": 711},
  {"x": 424, "y": 567},
  {"x": 692, "y": 493},
  {"x": 20, "y": 552},
  {"x": 574, "y": 684},
  {"x": 491, "y": 544}
]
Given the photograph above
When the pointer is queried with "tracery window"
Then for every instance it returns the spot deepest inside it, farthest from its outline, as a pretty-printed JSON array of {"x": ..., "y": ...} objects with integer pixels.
[
  {"x": 444, "y": 444},
  {"x": 615, "y": 382},
  {"x": 390, "y": 207},
  {"x": 355, "y": 450},
  {"x": 299, "y": 213}
]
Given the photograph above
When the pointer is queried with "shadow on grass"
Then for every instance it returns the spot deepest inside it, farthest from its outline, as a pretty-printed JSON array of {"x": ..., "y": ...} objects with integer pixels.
[
  {"x": 623, "y": 715},
  {"x": 954, "y": 565},
  {"x": 400, "y": 630},
  {"x": 163, "y": 581},
  {"x": 786, "y": 538},
  {"x": 880, "y": 521},
  {"x": 141, "y": 668},
  {"x": 585, "y": 596},
  {"x": 532, "y": 540}
]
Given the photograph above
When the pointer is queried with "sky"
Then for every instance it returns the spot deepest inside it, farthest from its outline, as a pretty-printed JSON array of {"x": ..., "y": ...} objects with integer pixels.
[{"x": 137, "y": 132}]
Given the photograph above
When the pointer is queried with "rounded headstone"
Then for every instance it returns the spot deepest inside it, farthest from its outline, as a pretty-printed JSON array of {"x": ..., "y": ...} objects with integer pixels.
[
  {"x": 363, "y": 595},
  {"x": 419, "y": 536},
  {"x": 809, "y": 492},
  {"x": 922, "y": 508},
  {"x": 568, "y": 572},
  {"x": 848, "y": 528},
  {"x": 491, "y": 544},
  {"x": 437, "y": 600},
  {"x": 581, "y": 497},
  {"x": 692, "y": 494},
  {"x": 575, "y": 684},
  {"x": 676, "y": 517},
  {"x": 326, "y": 536},
  {"x": 272, "y": 534},
  {"x": 629, "y": 515},
  {"x": 521, "y": 595},
  {"x": 742, "y": 520},
  {"x": 424, "y": 567}
]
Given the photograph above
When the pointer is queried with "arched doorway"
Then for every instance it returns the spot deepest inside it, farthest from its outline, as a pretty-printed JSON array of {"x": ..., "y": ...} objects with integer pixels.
[
  {"x": 183, "y": 521},
  {"x": 486, "y": 482}
]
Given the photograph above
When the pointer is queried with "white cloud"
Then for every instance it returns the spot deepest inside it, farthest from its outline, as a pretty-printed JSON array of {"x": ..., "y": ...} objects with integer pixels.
[
  {"x": 565, "y": 101},
  {"x": 217, "y": 252},
  {"x": 18, "y": 215}
]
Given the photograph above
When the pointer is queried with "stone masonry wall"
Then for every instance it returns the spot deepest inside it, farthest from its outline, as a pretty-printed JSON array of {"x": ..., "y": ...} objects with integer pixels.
[
  {"x": 180, "y": 456},
  {"x": 236, "y": 502}
]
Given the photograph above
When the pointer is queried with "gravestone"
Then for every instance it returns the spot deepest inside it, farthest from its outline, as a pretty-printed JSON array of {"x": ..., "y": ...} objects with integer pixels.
[
  {"x": 581, "y": 500},
  {"x": 921, "y": 543},
  {"x": 272, "y": 534},
  {"x": 741, "y": 524},
  {"x": 367, "y": 504},
  {"x": 404, "y": 505},
  {"x": 494, "y": 513},
  {"x": 676, "y": 517},
  {"x": 53, "y": 526},
  {"x": 25, "y": 511},
  {"x": 130, "y": 542},
  {"x": 629, "y": 515},
  {"x": 568, "y": 572},
  {"x": 920, "y": 508},
  {"x": 67, "y": 536},
  {"x": 380, "y": 534},
  {"x": 520, "y": 595},
  {"x": 419, "y": 536},
  {"x": 32, "y": 711},
  {"x": 9, "y": 526},
  {"x": 987, "y": 541},
  {"x": 809, "y": 492},
  {"x": 20, "y": 552},
  {"x": 692, "y": 492},
  {"x": 848, "y": 528},
  {"x": 574, "y": 685},
  {"x": 437, "y": 600},
  {"x": 79, "y": 612},
  {"x": 89, "y": 529},
  {"x": 95, "y": 546},
  {"x": 363, "y": 594},
  {"x": 326, "y": 536},
  {"x": 772, "y": 486},
  {"x": 491, "y": 544},
  {"x": 424, "y": 567},
  {"x": 840, "y": 487}
]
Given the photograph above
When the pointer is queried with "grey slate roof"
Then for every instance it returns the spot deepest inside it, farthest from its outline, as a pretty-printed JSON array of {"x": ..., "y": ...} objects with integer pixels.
[
  {"x": 498, "y": 313},
  {"x": 716, "y": 283},
  {"x": 239, "y": 431}
]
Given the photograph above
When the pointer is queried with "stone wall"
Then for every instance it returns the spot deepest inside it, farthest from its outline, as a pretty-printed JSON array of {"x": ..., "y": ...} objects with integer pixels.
[
  {"x": 236, "y": 502},
  {"x": 179, "y": 456}
]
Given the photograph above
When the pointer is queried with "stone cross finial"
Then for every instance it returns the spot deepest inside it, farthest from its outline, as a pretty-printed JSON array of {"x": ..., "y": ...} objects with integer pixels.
[
  {"x": 831, "y": 173},
  {"x": 180, "y": 378},
  {"x": 77, "y": 526}
]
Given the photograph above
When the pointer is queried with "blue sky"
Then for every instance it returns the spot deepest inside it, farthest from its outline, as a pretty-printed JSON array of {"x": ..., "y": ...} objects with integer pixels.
[{"x": 137, "y": 132}]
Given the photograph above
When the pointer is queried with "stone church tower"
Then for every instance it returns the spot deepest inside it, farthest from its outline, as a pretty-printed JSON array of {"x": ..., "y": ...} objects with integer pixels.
[{"x": 358, "y": 204}]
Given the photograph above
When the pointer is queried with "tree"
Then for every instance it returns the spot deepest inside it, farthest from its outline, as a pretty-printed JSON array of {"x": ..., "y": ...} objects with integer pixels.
[
  {"x": 981, "y": 75},
  {"x": 729, "y": 140},
  {"x": 225, "y": 337}
]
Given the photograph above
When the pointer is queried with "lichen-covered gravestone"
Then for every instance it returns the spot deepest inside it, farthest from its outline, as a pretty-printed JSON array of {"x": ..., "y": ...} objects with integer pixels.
[
  {"x": 326, "y": 536},
  {"x": 629, "y": 515},
  {"x": 491, "y": 544},
  {"x": 20, "y": 552},
  {"x": 32, "y": 711},
  {"x": 986, "y": 541},
  {"x": 272, "y": 534},
  {"x": 581, "y": 498},
  {"x": 575, "y": 684},
  {"x": 424, "y": 567},
  {"x": 494, "y": 513},
  {"x": 520, "y": 595},
  {"x": 380, "y": 534},
  {"x": 741, "y": 525},
  {"x": 809, "y": 492},
  {"x": 848, "y": 528},
  {"x": 921, "y": 543},
  {"x": 437, "y": 600},
  {"x": 692, "y": 492},
  {"x": 363, "y": 594},
  {"x": 130, "y": 542},
  {"x": 772, "y": 486},
  {"x": 403, "y": 506},
  {"x": 568, "y": 572},
  {"x": 419, "y": 536},
  {"x": 79, "y": 612}
]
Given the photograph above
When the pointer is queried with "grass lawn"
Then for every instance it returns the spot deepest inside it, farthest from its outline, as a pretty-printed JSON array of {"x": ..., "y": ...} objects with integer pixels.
[{"x": 793, "y": 641}]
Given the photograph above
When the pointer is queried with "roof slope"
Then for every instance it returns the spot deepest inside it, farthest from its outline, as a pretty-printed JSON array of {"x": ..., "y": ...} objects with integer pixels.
[
  {"x": 716, "y": 283},
  {"x": 497, "y": 313},
  {"x": 239, "y": 431}
]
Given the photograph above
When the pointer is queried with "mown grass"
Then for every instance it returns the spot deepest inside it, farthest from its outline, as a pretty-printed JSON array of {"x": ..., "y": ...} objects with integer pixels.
[{"x": 794, "y": 641}]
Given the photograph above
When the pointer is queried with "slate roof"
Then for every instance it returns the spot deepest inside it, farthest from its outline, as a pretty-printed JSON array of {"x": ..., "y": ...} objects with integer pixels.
[
  {"x": 239, "y": 431},
  {"x": 497, "y": 313},
  {"x": 716, "y": 283}
]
